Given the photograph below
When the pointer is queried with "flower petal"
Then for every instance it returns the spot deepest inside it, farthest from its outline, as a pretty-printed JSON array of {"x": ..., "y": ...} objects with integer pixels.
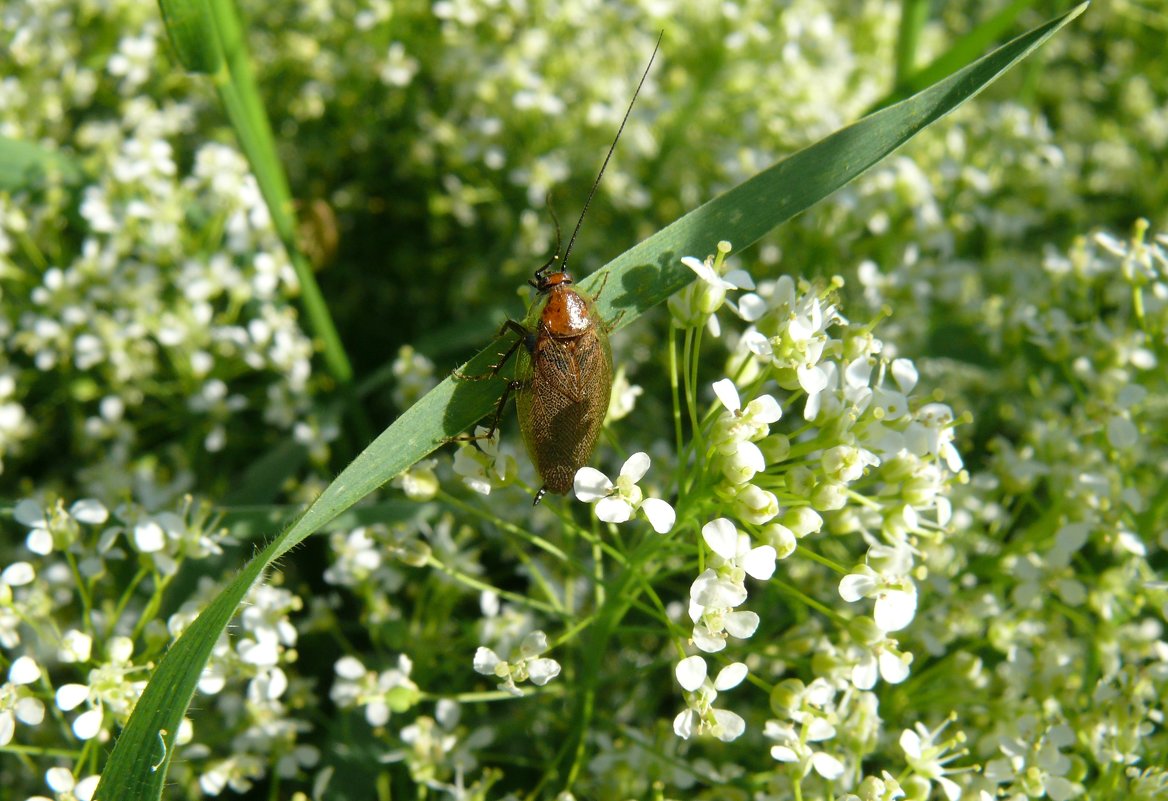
[
  {"x": 707, "y": 641},
  {"x": 893, "y": 668},
  {"x": 865, "y": 673},
  {"x": 740, "y": 279},
  {"x": 30, "y": 711},
  {"x": 855, "y": 586},
  {"x": 71, "y": 696},
  {"x": 730, "y": 725},
  {"x": 691, "y": 672},
  {"x": 742, "y": 625},
  {"x": 89, "y": 511},
  {"x": 760, "y": 562},
  {"x": 349, "y": 667},
  {"x": 543, "y": 670},
  {"x": 827, "y": 766},
  {"x": 751, "y": 307},
  {"x": 660, "y": 513},
  {"x": 591, "y": 485},
  {"x": 485, "y": 660},
  {"x": 722, "y": 537},
  {"x": 895, "y": 609},
  {"x": 704, "y": 271},
  {"x": 24, "y": 670},
  {"x": 533, "y": 644},
  {"x": 88, "y": 724},
  {"x": 40, "y": 542},
  {"x": 18, "y": 574},
  {"x": 636, "y": 466},
  {"x": 728, "y": 394},
  {"x": 149, "y": 537},
  {"x": 764, "y": 409},
  {"x": 614, "y": 510},
  {"x": 30, "y": 513},
  {"x": 730, "y": 676}
]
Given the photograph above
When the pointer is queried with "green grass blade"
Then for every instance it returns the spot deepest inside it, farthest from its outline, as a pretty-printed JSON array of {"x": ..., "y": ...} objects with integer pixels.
[
  {"x": 192, "y": 34},
  {"x": 913, "y": 16},
  {"x": 637, "y": 280}
]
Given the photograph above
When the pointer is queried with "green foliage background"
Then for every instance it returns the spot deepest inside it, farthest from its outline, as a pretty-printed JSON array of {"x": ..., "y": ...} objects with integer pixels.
[{"x": 419, "y": 142}]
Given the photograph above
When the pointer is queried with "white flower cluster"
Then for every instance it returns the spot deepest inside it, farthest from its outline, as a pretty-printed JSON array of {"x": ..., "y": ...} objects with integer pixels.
[
  {"x": 862, "y": 436},
  {"x": 379, "y": 694},
  {"x": 527, "y": 664},
  {"x": 248, "y": 673}
]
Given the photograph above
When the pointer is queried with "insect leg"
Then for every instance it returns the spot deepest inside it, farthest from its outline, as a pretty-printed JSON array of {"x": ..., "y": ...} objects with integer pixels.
[
  {"x": 603, "y": 283},
  {"x": 500, "y": 405},
  {"x": 610, "y": 324},
  {"x": 524, "y": 337}
]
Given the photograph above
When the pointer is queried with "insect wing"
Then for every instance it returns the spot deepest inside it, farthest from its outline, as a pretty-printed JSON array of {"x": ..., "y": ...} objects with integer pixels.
[{"x": 562, "y": 400}]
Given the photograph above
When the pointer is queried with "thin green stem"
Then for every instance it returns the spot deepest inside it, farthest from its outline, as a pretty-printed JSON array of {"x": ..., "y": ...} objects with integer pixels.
[
  {"x": 803, "y": 550},
  {"x": 674, "y": 388},
  {"x": 482, "y": 586}
]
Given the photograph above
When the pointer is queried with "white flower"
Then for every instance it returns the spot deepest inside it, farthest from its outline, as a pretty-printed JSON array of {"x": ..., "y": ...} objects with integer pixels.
[
  {"x": 75, "y": 646},
  {"x": 711, "y": 608},
  {"x": 931, "y": 433},
  {"x": 56, "y": 527},
  {"x": 846, "y": 463},
  {"x": 617, "y": 503},
  {"x": 755, "y": 505},
  {"x": 379, "y": 693},
  {"x": 109, "y": 688},
  {"x": 483, "y": 464},
  {"x": 623, "y": 398},
  {"x": 736, "y": 430},
  {"x": 61, "y": 782},
  {"x": 700, "y": 716},
  {"x": 793, "y": 748},
  {"x": 896, "y": 598},
  {"x": 880, "y": 658},
  {"x": 721, "y": 587},
  {"x": 419, "y": 482},
  {"x": 734, "y": 551},
  {"x": 738, "y": 424},
  {"x": 928, "y": 758},
  {"x": 17, "y": 702},
  {"x": 698, "y": 302},
  {"x": 529, "y": 665}
]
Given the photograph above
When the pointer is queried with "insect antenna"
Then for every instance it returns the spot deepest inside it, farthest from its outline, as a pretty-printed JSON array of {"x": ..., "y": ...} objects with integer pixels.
[
  {"x": 611, "y": 148},
  {"x": 539, "y": 274}
]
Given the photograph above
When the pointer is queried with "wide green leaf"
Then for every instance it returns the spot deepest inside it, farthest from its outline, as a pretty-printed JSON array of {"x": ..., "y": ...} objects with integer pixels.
[
  {"x": 635, "y": 281},
  {"x": 24, "y": 165}
]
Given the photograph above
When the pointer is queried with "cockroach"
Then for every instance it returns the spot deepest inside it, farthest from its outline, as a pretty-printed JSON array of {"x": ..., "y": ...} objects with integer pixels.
[{"x": 563, "y": 375}]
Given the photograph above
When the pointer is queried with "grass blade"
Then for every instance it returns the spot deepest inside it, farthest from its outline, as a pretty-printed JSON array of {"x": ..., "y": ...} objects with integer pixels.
[
  {"x": 642, "y": 277},
  {"x": 192, "y": 34}
]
